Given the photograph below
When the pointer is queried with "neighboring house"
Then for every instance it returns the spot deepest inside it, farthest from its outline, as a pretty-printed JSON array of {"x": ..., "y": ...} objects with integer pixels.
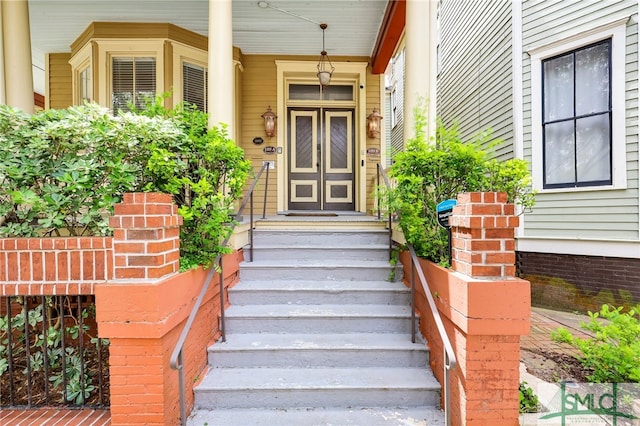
[{"x": 557, "y": 81}]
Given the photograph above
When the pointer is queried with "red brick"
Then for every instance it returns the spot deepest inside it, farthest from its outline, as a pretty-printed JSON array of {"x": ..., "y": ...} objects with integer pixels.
[
  {"x": 160, "y": 246},
  {"x": 486, "y": 209},
  {"x": 3, "y": 267},
  {"x": 50, "y": 266},
  {"x": 99, "y": 265},
  {"x": 143, "y": 234},
  {"x": 37, "y": 267},
  {"x": 508, "y": 258},
  {"x": 88, "y": 265},
  {"x": 9, "y": 244},
  {"x": 485, "y": 271},
  {"x": 508, "y": 209},
  {"x": 484, "y": 245},
  {"x": 158, "y": 198},
  {"x": 158, "y": 209},
  {"x": 121, "y": 248},
  {"x": 160, "y": 271},
  {"x": 499, "y": 233},
  {"x": 128, "y": 209},
  {"x": 119, "y": 234},
  {"x": 12, "y": 266},
  {"x": 72, "y": 243},
  {"x": 35, "y": 243},
  {"x": 145, "y": 260},
  {"x": 124, "y": 273},
  {"x": 489, "y": 197},
  {"x": 76, "y": 266}
]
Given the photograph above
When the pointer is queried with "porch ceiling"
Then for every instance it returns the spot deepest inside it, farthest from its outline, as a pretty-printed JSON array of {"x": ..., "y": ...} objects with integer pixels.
[{"x": 353, "y": 24}]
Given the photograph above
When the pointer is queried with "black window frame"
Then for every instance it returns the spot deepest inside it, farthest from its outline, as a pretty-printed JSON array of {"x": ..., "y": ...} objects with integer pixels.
[{"x": 609, "y": 112}]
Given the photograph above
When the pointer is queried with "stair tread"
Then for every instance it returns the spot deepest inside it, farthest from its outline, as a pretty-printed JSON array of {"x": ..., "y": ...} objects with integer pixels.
[
  {"x": 318, "y": 378},
  {"x": 374, "y": 416},
  {"x": 306, "y": 263},
  {"x": 295, "y": 310},
  {"x": 324, "y": 285},
  {"x": 306, "y": 341}
]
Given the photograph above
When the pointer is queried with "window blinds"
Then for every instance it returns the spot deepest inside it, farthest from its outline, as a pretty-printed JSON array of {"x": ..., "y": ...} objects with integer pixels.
[
  {"x": 194, "y": 85},
  {"x": 133, "y": 82}
]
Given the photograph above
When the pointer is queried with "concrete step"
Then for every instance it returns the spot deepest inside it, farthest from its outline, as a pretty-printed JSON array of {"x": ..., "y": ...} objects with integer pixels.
[
  {"x": 269, "y": 252},
  {"x": 317, "y": 387},
  {"x": 348, "y": 270},
  {"x": 318, "y": 319},
  {"x": 285, "y": 350},
  {"x": 319, "y": 292},
  {"x": 336, "y": 238},
  {"x": 375, "y": 416}
]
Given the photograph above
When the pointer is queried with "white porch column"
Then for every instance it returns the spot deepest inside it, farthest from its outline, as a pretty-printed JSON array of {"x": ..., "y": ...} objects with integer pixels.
[
  {"x": 3, "y": 99},
  {"x": 420, "y": 63},
  {"x": 221, "y": 68},
  {"x": 16, "y": 37}
]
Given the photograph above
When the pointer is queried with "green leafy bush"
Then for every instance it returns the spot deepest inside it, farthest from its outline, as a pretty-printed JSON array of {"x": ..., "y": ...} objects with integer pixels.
[
  {"x": 613, "y": 353},
  {"x": 529, "y": 402},
  {"x": 62, "y": 171},
  {"x": 428, "y": 173},
  {"x": 207, "y": 190}
]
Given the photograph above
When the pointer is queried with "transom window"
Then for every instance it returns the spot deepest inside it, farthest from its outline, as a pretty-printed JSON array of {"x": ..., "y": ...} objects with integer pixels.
[
  {"x": 133, "y": 82},
  {"x": 313, "y": 92},
  {"x": 576, "y": 117}
]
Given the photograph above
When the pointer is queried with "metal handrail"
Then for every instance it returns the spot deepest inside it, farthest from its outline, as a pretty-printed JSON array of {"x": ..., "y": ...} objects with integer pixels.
[
  {"x": 449, "y": 354},
  {"x": 177, "y": 360}
]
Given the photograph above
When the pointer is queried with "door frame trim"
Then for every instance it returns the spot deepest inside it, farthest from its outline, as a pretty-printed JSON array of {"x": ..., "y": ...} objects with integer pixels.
[{"x": 355, "y": 72}]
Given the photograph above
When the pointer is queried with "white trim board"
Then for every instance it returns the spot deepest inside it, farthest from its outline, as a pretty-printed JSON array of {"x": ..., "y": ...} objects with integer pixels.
[{"x": 610, "y": 248}]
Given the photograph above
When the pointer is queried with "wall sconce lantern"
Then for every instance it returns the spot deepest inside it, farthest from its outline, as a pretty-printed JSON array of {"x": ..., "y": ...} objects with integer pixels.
[
  {"x": 325, "y": 68},
  {"x": 269, "y": 122},
  {"x": 373, "y": 124}
]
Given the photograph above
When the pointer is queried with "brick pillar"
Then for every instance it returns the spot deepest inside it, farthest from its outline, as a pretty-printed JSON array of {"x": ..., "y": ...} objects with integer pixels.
[
  {"x": 140, "y": 310},
  {"x": 483, "y": 228},
  {"x": 482, "y": 234},
  {"x": 484, "y": 308},
  {"x": 146, "y": 236}
]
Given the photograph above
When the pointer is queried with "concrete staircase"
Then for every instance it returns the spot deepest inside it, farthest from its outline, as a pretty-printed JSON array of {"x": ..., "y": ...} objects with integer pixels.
[{"x": 317, "y": 335}]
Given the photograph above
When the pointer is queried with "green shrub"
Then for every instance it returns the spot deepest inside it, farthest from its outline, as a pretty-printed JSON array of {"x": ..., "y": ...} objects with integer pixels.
[
  {"x": 613, "y": 353},
  {"x": 428, "y": 173},
  {"x": 529, "y": 402},
  {"x": 207, "y": 191},
  {"x": 62, "y": 171}
]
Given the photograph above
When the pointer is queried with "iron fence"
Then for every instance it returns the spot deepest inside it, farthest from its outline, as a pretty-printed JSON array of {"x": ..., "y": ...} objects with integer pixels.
[{"x": 50, "y": 353}]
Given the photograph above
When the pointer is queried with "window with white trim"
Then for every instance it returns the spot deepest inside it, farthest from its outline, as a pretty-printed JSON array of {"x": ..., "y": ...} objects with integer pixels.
[
  {"x": 133, "y": 82},
  {"x": 85, "y": 85},
  {"x": 576, "y": 117},
  {"x": 578, "y": 84},
  {"x": 394, "y": 107},
  {"x": 194, "y": 85}
]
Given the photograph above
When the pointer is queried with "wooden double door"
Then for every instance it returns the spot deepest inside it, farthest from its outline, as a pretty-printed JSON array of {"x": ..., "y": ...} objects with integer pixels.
[{"x": 321, "y": 163}]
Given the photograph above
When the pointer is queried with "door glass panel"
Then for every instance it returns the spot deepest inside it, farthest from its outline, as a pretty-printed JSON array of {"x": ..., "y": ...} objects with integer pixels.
[
  {"x": 304, "y": 142},
  {"x": 338, "y": 140}
]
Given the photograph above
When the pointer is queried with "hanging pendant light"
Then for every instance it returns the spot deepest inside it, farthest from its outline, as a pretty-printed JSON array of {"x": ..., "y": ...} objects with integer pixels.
[{"x": 325, "y": 68}]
